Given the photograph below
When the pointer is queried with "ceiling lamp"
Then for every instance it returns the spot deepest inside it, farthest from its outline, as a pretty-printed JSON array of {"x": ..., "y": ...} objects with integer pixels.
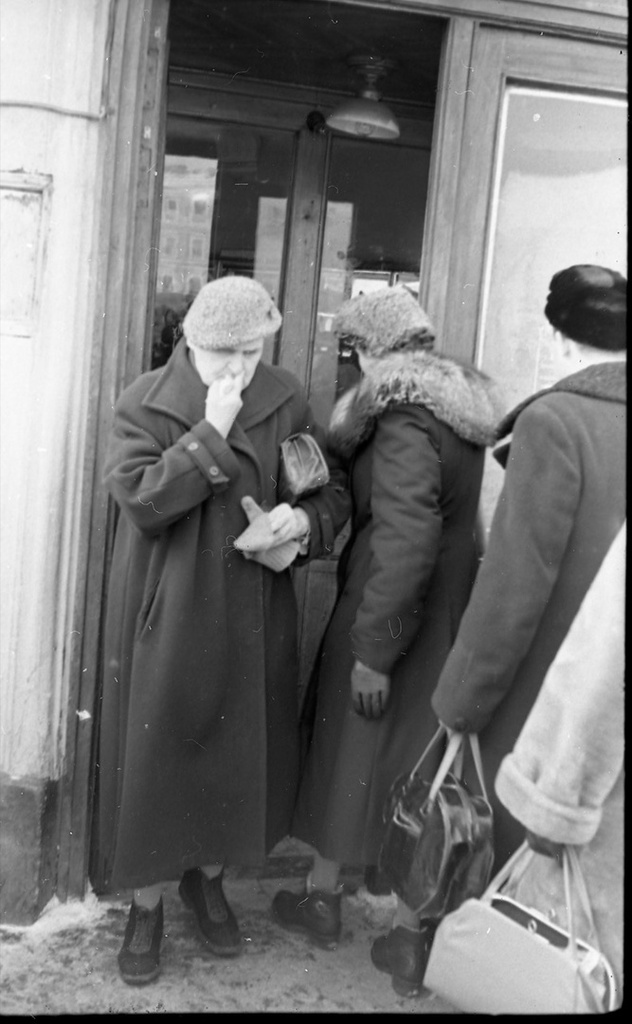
[{"x": 366, "y": 116}]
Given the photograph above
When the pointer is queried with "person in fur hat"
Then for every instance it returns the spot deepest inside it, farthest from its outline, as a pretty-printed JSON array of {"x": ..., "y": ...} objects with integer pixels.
[
  {"x": 199, "y": 738},
  {"x": 413, "y": 433}
]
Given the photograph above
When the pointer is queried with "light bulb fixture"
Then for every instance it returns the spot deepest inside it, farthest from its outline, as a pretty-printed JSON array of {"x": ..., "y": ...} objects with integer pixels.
[{"x": 366, "y": 116}]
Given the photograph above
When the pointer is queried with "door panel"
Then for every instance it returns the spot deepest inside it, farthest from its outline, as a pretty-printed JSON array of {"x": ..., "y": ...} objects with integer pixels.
[
  {"x": 508, "y": 58},
  {"x": 224, "y": 210},
  {"x": 376, "y": 201},
  {"x": 545, "y": 135}
]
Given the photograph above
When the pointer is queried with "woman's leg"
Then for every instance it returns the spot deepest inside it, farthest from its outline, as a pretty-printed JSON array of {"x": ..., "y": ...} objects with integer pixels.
[
  {"x": 404, "y": 917},
  {"x": 324, "y": 874},
  {"x": 212, "y": 870},
  {"x": 149, "y": 897}
]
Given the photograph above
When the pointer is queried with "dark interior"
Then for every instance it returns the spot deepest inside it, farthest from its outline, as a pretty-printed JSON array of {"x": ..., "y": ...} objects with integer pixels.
[{"x": 307, "y": 43}]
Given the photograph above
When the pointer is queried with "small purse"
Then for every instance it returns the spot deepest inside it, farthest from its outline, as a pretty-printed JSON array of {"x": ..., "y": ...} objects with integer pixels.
[
  {"x": 494, "y": 955},
  {"x": 303, "y": 466},
  {"x": 437, "y": 849}
]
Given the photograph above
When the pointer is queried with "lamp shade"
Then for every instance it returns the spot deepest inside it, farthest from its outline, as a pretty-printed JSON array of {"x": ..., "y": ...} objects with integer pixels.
[{"x": 366, "y": 118}]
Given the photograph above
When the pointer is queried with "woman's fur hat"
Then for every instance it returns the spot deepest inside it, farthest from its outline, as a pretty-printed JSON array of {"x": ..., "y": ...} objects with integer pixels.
[
  {"x": 386, "y": 320},
  {"x": 228, "y": 312},
  {"x": 588, "y": 304}
]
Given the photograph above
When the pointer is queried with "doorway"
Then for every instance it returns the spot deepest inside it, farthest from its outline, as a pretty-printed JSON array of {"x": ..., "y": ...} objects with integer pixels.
[{"x": 255, "y": 183}]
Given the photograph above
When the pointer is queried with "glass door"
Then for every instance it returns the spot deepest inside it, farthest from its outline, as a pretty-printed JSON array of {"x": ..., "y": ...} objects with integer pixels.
[
  {"x": 224, "y": 207},
  {"x": 374, "y": 220}
]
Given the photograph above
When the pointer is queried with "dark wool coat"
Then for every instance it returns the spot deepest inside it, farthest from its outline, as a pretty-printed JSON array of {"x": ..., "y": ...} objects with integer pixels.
[
  {"x": 199, "y": 724},
  {"x": 414, "y": 431},
  {"x": 562, "y": 503}
]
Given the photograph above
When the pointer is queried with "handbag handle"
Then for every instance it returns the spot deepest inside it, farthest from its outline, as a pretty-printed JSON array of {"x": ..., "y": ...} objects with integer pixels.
[
  {"x": 516, "y": 866},
  {"x": 574, "y": 878},
  {"x": 452, "y": 751},
  {"x": 437, "y": 736},
  {"x": 573, "y": 875}
]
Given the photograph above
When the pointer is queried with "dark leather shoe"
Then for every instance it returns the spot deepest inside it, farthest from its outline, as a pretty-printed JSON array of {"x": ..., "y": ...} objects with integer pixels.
[
  {"x": 216, "y": 921},
  {"x": 404, "y": 954},
  {"x": 316, "y": 914},
  {"x": 139, "y": 958}
]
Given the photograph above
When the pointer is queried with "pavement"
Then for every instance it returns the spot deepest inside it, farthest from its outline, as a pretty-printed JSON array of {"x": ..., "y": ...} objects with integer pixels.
[{"x": 65, "y": 963}]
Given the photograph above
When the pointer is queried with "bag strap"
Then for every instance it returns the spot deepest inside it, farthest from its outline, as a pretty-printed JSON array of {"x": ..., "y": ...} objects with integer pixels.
[
  {"x": 454, "y": 745},
  {"x": 574, "y": 879},
  {"x": 478, "y": 762},
  {"x": 513, "y": 868},
  {"x": 437, "y": 736},
  {"x": 453, "y": 755}
]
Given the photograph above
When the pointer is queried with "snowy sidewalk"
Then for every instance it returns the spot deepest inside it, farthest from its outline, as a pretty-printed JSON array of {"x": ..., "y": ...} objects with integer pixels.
[{"x": 66, "y": 961}]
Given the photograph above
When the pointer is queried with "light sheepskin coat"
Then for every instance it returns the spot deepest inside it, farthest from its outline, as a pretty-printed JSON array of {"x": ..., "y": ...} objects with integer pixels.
[{"x": 564, "y": 778}]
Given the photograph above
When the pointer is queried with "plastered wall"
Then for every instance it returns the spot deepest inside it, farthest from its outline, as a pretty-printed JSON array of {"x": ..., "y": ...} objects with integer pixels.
[{"x": 52, "y": 81}]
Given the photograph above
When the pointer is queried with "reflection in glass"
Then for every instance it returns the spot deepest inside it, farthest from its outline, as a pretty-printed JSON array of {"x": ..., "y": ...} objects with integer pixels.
[
  {"x": 223, "y": 212},
  {"x": 560, "y": 197},
  {"x": 376, "y": 198}
]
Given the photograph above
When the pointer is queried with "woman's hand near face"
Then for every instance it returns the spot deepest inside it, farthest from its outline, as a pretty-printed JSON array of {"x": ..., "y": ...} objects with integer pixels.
[{"x": 223, "y": 401}]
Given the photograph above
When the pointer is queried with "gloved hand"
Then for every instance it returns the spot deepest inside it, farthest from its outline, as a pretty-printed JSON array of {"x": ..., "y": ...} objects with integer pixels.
[
  {"x": 539, "y": 844},
  {"x": 288, "y": 523},
  {"x": 370, "y": 690}
]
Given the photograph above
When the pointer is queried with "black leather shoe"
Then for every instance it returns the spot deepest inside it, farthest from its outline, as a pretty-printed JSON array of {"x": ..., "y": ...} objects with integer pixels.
[
  {"x": 316, "y": 914},
  {"x": 404, "y": 954},
  {"x": 216, "y": 921},
  {"x": 139, "y": 958}
]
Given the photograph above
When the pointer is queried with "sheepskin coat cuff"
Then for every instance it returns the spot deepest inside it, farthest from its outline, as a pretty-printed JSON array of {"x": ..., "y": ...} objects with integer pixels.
[{"x": 525, "y": 799}]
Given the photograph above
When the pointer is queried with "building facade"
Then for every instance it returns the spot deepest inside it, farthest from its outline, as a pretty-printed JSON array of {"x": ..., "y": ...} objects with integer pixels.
[{"x": 147, "y": 148}]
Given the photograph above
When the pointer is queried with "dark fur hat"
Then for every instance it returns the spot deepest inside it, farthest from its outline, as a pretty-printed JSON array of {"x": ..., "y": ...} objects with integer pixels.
[{"x": 589, "y": 304}]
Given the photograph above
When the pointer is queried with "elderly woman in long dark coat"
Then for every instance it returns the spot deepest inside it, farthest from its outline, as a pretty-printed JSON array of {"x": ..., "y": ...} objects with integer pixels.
[
  {"x": 199, "y": 727},
  {"x": 413, "y": 432}
]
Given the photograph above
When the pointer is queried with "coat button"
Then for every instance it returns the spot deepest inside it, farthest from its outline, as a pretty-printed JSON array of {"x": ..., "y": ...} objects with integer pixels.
[
  {"x": 213, "y": 470},
  {"x": 193, "y": 447}
]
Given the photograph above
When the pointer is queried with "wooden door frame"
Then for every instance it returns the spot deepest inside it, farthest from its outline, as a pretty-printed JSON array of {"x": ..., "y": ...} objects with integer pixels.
[
  {"x": 126, "y": 253},
  {"x": 513, "y": 56}
]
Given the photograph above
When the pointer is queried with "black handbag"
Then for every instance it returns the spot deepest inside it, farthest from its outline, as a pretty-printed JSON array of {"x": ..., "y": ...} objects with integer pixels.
[{"x": 438, "y": 846}]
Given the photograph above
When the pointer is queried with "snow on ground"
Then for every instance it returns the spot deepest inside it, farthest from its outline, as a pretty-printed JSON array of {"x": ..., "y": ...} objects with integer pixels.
[{"x": 65, "y": 963}]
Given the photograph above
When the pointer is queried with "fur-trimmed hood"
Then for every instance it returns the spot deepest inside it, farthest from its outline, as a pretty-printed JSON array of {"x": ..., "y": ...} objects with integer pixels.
[{"x": 456, "y": 394}]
